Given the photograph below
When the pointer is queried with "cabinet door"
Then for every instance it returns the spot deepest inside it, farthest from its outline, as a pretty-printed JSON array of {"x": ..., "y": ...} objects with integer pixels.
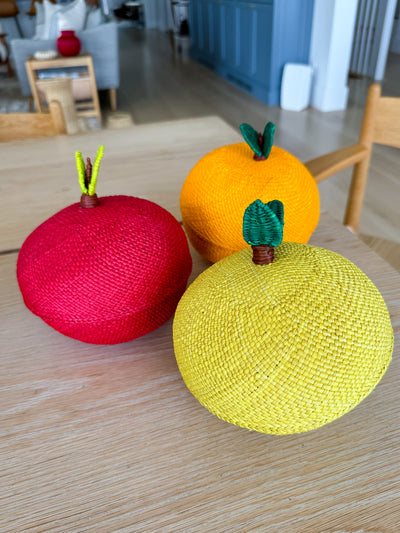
[
  {"x": 245, "y": 39},
  {"x": 205, "y": 28}
]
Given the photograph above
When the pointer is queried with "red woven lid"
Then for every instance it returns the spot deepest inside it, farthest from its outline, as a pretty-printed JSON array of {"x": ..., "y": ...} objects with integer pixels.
[{"x": 108, "y": 274}]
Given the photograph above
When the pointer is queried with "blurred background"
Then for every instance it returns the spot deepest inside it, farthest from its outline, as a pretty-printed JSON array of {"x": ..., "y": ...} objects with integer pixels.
[{"x": 305, "y": 65}]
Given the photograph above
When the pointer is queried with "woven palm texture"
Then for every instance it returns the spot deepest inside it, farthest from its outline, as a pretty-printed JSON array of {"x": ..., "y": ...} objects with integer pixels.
[
  {"x": 108, "y": 274},
  {"x": 286, "y": 347},
  {"x": 223, "y": 183}
]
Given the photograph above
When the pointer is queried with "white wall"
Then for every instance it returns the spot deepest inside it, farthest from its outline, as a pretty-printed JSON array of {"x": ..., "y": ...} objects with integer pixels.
[{"x": 330, "y": 52}]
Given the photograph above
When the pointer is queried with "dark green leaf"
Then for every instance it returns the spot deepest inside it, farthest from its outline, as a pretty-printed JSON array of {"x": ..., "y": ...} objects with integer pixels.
[
  {"x": 261, "y": 226},
  {"x": 268, "y": 139},
  {"x": 277, "y": 207},
  {"x": 251, "y": 137}
]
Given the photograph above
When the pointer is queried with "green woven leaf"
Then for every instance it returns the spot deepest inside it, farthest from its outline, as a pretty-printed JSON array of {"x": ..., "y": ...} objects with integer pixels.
[
  {"x": 80, "y": 165},
  {"x": 277, "y": 207},
  {"x": 268, "y": 138},
  {"x": 251, "y": 137},
  {"x": 263, "y": 223},
  {"x": 93, "y": 181}
]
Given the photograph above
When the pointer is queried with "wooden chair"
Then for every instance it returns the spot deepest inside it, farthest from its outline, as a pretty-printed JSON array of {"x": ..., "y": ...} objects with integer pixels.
[
  {"x": 381, "y": 125},
  {"x": 19, "y": 126}
]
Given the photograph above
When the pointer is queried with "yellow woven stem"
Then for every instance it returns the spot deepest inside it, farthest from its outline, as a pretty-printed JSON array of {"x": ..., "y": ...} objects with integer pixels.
[
  {"x": 80, "y": 165},
  {"x": 93, "y": 181}
]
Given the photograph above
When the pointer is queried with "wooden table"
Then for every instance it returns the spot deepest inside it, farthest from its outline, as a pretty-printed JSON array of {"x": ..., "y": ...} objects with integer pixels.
[{"x": 108, "y": 438}]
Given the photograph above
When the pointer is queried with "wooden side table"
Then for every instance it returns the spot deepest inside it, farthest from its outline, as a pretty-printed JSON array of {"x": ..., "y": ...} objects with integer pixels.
[{"x": 83, "y": 85}]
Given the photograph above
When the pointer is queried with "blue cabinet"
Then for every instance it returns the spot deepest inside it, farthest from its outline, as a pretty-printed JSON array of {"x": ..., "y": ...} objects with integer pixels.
[{"x": 248, "y": 43}]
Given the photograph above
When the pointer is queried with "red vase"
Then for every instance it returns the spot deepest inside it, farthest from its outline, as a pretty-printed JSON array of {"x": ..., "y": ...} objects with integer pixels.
[{"x": 68, "y": 43}]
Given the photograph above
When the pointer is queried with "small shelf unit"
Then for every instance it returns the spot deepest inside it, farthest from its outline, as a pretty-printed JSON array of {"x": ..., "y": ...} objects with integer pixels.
[{"x": 79, "y": 68}]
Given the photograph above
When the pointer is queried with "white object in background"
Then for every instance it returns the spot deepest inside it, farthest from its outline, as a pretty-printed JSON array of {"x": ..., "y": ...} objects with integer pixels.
[
  {"x": 45, "y": 54},
  {"x": 49, "y": 11},
  {"x": 330, "y": 51},
  {"x": 71, "y": 17},
  {"x": 296, "y": 87}
]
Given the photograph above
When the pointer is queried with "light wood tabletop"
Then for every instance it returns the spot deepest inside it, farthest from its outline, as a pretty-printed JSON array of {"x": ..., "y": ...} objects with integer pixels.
[
  {"x": 39, "y": 177},
  {"x": 108, "y": 438}
]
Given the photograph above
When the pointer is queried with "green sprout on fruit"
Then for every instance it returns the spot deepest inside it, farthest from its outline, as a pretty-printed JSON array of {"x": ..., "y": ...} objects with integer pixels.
[
  {"x": 260, "y": 143},
  {"x": 88, "y": 174},
  {"x": 263, "y": 229}
]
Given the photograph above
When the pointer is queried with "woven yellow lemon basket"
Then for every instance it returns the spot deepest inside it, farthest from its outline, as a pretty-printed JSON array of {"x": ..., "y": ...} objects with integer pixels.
[{"x": 282, "y": 338}]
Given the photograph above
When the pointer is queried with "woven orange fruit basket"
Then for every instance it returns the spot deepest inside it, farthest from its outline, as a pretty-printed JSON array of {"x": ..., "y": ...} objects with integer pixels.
[{"x": 224, "y": 182}]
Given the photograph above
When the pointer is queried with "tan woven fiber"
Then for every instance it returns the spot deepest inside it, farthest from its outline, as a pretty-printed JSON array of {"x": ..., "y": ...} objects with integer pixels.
[{"x": 286, "y": 347}]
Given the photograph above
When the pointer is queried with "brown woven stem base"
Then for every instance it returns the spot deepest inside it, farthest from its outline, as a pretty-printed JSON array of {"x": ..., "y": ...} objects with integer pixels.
[
  {"x": 88, "y": 171},
  {"x": 263, "y": 255},
  {"x": 88, "y": 201},
  {"x": 261, "y": 144}
]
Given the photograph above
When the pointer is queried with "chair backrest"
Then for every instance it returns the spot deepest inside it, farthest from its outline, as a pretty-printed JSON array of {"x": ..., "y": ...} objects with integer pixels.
[
  {"x": 386, "y": 117},
  {"x": 381, "y": 125},
  {"x": 20, "y": 126}
]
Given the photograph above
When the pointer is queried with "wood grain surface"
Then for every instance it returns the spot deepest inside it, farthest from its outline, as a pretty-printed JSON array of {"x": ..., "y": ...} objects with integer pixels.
[
  {"x": 108, "y": 438},
  {"x": 39, "y": 177},
  {"x": 20, "y": 126}
]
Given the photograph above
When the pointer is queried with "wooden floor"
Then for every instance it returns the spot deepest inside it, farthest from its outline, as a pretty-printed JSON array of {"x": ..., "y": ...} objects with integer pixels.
[{"x": 155, "y": 86}]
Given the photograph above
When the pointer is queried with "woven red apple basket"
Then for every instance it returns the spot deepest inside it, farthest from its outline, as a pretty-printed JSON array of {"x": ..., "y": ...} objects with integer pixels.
[{"x": 105, "y": 270}]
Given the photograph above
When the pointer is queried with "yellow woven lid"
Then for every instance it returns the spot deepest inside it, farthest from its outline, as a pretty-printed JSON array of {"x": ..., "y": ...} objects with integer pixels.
[{"x": 286, "y": 347}]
